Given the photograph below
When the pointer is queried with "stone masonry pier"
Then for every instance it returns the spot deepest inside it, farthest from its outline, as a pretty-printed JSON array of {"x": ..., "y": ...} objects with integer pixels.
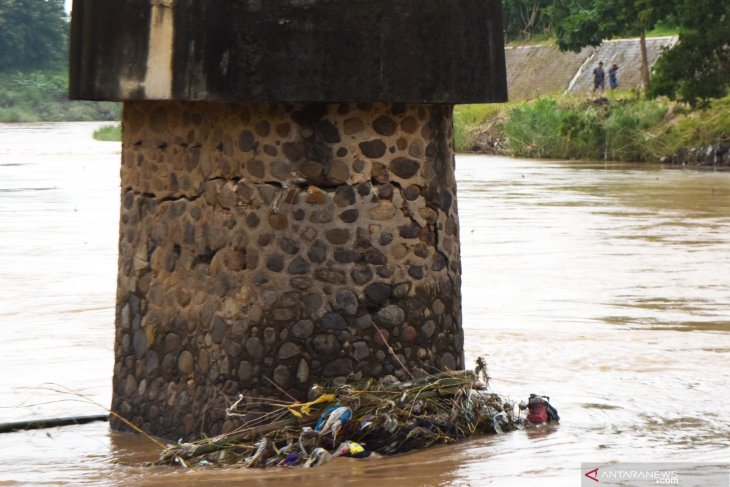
[
  {"x": 281, "y": 243},
  {"x": 279, "y": 231}
]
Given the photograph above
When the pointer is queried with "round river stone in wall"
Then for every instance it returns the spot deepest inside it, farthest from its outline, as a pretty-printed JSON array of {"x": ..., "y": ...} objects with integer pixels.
[
  {"x": 384, "y": 125},
  {"x": 405, "y": 168},
  {"x": 353, "y": 126},
  {"x": 361, "y": 276},
  {"x": 246, "y": 141},
  {"x": 298, "y": 266},
  {"x": 281, "y": 375},
  {"x": 338, "y": 236},
  {"x": 377, "y": 292},
  {"x": 288, "y": 350},
  {"x": 374, "y": 149},
  {"x": 245, "y": 371},
  {"x": 347, "y": 301},
  {"x": 391, "y": 315},
  {"x": 303, "y": 328},
  {"x": 344, "y": 196},
  {"x": 349, "y": 216},
  {"x": 254, "y": 347},
  {"x": 186, "y": 362},
  {"x": 334, "y": 321},
  {"x": 326, "y": 344}
]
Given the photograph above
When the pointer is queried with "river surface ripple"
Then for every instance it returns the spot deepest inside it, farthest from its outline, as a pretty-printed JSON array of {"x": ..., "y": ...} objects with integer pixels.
[{"x": 604, "y": 286}]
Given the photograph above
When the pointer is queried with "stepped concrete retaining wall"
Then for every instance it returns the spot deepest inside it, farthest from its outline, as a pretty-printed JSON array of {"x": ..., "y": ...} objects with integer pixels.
[
  {"x": 541, "y": 70},
  {"x": 544, "y": 70}
]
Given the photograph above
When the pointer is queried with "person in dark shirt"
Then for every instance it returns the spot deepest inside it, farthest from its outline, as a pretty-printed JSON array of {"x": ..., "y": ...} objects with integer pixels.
[
  {"x": 599, "y": 78},
  {"x": 612, "y": 80}
]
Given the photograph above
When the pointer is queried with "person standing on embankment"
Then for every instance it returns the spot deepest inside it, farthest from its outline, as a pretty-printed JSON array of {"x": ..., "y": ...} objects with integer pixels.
[
  {"x": 612, "y": 79},
  {"x": 599, "y": 78}
]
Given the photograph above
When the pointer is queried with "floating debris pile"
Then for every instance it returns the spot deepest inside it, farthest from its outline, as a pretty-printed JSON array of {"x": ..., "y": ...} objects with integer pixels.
[{"x": 359, "y": 419}]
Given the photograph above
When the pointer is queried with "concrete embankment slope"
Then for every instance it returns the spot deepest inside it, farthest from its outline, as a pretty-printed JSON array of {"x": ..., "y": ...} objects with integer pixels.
[{"x": 545, "y": 70}]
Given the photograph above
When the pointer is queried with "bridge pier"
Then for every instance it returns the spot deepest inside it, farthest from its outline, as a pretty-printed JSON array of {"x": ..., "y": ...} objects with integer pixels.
[
  {"x": 267, "y": 244},
  {"x": 270, "y": 246}
]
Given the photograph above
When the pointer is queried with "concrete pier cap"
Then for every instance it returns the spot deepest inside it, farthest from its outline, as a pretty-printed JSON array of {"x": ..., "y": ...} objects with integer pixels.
[{"x": 288, "y": 201}]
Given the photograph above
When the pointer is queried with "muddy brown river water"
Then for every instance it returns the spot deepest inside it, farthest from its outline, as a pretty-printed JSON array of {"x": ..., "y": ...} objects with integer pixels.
[{"x": 605, "y": 286}]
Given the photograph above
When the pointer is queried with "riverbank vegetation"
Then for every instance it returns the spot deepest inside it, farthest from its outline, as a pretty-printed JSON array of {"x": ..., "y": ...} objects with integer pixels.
[
  {"x": 682, "y": 116},
  {"x": 34, "y": 80},
  {"x": 34, "y": 69},
  {"x": 42, "y": 96},
  {"x": 108, "y": 133},
  {"x": 622, "y": 128}
]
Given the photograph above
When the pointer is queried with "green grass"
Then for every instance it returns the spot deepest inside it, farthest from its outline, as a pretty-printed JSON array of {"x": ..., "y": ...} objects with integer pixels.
[
  {"x": 693, "y": 128},
  {"x": 577, "y": 129},
  {"x": 622, "y": 128},
  {"x": 108, "y": 133},
  {"x": 626, "y": 129},
  {"x": 470, "y": 121},
  {"x": 42, "y": 96},
  {"x": 661, "y": 30}
]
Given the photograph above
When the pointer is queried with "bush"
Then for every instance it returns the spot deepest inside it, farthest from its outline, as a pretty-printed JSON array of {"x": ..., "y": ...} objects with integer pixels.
[
  {"x": 548, "y": 129},
  {"x": 35, "y": 96},
  {"x": 622, "y": 129},
  {"x": 108, "y": 133},
  {"x": 469, "y": 121},
  {"x": 532, "y": 129},
  {"x": 573, "y": 129},
  {"x": 626, "y": 130},
  {"x": 698, "y": 128}
]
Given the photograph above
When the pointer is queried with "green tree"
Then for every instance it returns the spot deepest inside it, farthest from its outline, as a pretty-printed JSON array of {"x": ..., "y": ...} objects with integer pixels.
[
  {"x": 698, "y": 68},
  {"x": 523, "y": 18},
  {"x": 33, "y": 33},
  {"x": 580, "y": 23}
]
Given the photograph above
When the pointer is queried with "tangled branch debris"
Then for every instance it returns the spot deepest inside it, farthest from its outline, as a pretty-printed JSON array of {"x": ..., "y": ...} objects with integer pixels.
[{"x": 362, "y": 419}]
